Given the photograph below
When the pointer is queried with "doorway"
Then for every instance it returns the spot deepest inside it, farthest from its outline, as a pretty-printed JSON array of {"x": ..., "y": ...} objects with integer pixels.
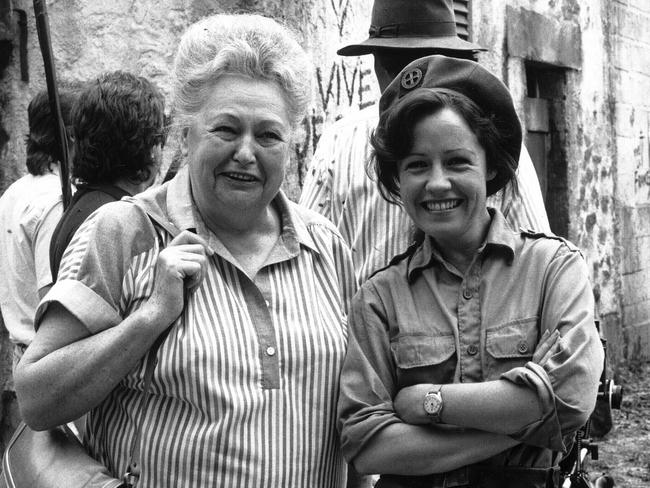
[{"x": 546, "y": 139}]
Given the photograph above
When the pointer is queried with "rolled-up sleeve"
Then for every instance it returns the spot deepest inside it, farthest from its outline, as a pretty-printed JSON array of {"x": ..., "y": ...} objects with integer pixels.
[
  {"x": 567, "y": 385},
  {"x": 368, "y": 383},
  {"x": 95, "y": 283}
]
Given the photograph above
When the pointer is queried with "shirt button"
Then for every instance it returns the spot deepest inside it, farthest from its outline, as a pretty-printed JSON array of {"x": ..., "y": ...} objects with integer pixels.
[
  {"x": 268, "y": 304},
  {"x": 522, "y": 347},
  {"x": 467, "y": 293},
  {"x": 270, "y": 351},
  {"x": 472, "y": 349}
]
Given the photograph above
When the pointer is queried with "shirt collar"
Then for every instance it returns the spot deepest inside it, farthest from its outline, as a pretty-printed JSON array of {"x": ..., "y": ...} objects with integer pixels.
[
  {"x": 500, "y": 238},
  {"x": 184, "y": 215}
]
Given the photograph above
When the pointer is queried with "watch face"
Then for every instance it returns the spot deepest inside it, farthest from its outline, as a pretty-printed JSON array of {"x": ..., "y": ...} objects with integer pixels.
[{"x": 432, "y": 403}]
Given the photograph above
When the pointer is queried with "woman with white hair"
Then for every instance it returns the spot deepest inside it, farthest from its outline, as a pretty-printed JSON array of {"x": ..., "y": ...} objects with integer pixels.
[{"x": 250, "y": 289}]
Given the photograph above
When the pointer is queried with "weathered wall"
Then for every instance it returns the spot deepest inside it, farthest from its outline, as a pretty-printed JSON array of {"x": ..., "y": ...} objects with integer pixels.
[
  {"x": 92, "y": 37},
  {"x": 629, "y": 37},
  {"x": 570, "y": 35}
]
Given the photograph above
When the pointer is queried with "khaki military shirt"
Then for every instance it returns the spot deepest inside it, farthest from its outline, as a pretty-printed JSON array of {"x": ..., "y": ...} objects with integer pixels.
[{"x": 421, "y": 321}]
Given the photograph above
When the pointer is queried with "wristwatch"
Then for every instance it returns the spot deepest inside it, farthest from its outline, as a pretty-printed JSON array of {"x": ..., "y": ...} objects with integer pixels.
[{"x": 433, "y": 404}]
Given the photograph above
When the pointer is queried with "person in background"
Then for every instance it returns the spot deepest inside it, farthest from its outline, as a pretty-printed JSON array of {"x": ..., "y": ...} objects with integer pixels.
[
  {"x": 118, "y": 130},
  {"x": 337, "y": 185},
  {"x": 29, "y": 211},
  {"x": 251, "y": 288},
  {"x": 473, "y": 357}
]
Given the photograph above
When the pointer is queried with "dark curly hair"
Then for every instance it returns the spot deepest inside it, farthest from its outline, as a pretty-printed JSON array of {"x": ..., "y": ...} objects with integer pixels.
[
  {"x": 116, "y": 122},
  {"x": 392, "y": 140},
  {"x": 41, "y": 143}
]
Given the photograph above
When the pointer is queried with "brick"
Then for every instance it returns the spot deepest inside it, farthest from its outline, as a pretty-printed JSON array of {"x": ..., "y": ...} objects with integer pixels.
[
  {"x": 626, "y": 186},
  {"x": 631, "y": 23},
  {"x": 631, "y": 254},
  {"x": 631, "y": 55},
  {"x": 632, "y": 88},
  {"x": 635, "y": 287},
  {"x": 630, "y": 120},
  {"x": 628, "y": 152},
  {"x": 642, "y": 223}
]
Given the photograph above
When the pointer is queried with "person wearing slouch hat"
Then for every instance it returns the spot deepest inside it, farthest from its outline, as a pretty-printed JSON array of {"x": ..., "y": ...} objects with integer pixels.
[
  {"x": 337, "y": 185},
  {"x": 456, "y": 374}
]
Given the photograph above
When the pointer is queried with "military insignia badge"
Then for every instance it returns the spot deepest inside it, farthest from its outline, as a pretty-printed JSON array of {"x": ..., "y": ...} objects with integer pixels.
[{"x": 411, "y": 78}]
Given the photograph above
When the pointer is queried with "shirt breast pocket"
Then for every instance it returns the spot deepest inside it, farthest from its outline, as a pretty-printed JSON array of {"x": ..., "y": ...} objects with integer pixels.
[
  {"x": 424, "y": 359},
  {"x": 510, "y": 345}
]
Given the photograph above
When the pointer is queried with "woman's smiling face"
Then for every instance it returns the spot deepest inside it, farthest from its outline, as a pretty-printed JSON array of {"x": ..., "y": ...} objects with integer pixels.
[
  {"x": 238, "y": 148},
  {"x": 443, "y": 180}
]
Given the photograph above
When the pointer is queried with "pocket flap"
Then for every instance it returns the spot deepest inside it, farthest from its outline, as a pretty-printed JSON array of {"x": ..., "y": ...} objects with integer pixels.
[
  {"x": 516, "y": 339},
  {"x": 413, "y": 351}
]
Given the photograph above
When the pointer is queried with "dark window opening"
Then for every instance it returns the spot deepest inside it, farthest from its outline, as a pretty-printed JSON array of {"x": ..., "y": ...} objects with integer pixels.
[{"x": 546, "y": 139}]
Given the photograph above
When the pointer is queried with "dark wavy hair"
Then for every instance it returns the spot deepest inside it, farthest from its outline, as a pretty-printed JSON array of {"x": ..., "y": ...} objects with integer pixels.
[
  {"x": 392, "y": 140},
  {"x": 41, "y": 143},
  {"x": 116, "y": 123}
]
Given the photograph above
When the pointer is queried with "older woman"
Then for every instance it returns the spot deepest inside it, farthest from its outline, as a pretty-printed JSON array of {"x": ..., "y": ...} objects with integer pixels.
[
  {"x": 474, "y": 356},
  {"x": 252, "y": 289}
]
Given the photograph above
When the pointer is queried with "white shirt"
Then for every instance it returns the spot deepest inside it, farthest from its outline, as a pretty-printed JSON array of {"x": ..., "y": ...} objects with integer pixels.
[
  {"x": 338, "y": 187},
  {"x": 29, "y": 211}
]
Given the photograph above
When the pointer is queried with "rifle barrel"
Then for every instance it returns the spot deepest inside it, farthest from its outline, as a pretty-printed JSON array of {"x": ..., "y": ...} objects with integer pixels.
[{"x": 44, "y": 40}]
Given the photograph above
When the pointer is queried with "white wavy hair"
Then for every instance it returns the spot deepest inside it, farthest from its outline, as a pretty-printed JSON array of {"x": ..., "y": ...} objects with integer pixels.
[{"x": 240, "y": 44}]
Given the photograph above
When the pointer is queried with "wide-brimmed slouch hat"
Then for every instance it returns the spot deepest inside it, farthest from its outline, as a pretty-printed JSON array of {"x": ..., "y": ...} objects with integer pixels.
[{"x": 411, "y": 24}]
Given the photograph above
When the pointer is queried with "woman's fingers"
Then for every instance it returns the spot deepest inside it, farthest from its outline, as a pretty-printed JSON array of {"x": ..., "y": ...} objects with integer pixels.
[
  {"x": 180, "y": 267},
  {"x": 187, "y": 237}
]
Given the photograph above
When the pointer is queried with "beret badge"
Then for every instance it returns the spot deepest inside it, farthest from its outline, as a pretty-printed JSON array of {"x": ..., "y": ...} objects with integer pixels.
[{"x": 411, "y": 78}]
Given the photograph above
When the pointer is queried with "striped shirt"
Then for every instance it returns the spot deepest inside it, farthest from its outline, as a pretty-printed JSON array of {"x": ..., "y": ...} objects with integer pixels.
[
  {"x": 338, "y": 187},
  {"x": 244, "y": 394}
]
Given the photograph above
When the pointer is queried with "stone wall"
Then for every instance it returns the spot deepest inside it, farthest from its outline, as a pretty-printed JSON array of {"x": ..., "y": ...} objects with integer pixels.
[{"x": 629, "y": 29}]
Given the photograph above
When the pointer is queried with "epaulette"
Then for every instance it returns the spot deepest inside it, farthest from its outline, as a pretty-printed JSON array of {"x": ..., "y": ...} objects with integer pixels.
[
  {"x": 535, "y": 234},
  {"x": 399, "y": 257}
]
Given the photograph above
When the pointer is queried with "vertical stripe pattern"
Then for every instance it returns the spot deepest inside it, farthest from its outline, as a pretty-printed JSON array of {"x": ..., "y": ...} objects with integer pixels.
[
  {"x": 338, "y": 187},
  {"x": 210, "y": 420}
]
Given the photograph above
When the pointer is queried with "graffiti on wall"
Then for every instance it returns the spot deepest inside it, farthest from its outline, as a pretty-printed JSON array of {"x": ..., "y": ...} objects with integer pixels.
[{"x": 343, "y": 85}]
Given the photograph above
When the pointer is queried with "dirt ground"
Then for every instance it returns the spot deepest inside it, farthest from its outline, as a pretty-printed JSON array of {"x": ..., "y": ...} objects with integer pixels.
[{"x": 624, "y": 453}]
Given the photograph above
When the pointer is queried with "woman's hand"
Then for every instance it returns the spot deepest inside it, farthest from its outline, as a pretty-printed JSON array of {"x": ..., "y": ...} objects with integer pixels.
[
  {"x": 409, "y": 404},
  {"x": 180, "y": 267}
]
